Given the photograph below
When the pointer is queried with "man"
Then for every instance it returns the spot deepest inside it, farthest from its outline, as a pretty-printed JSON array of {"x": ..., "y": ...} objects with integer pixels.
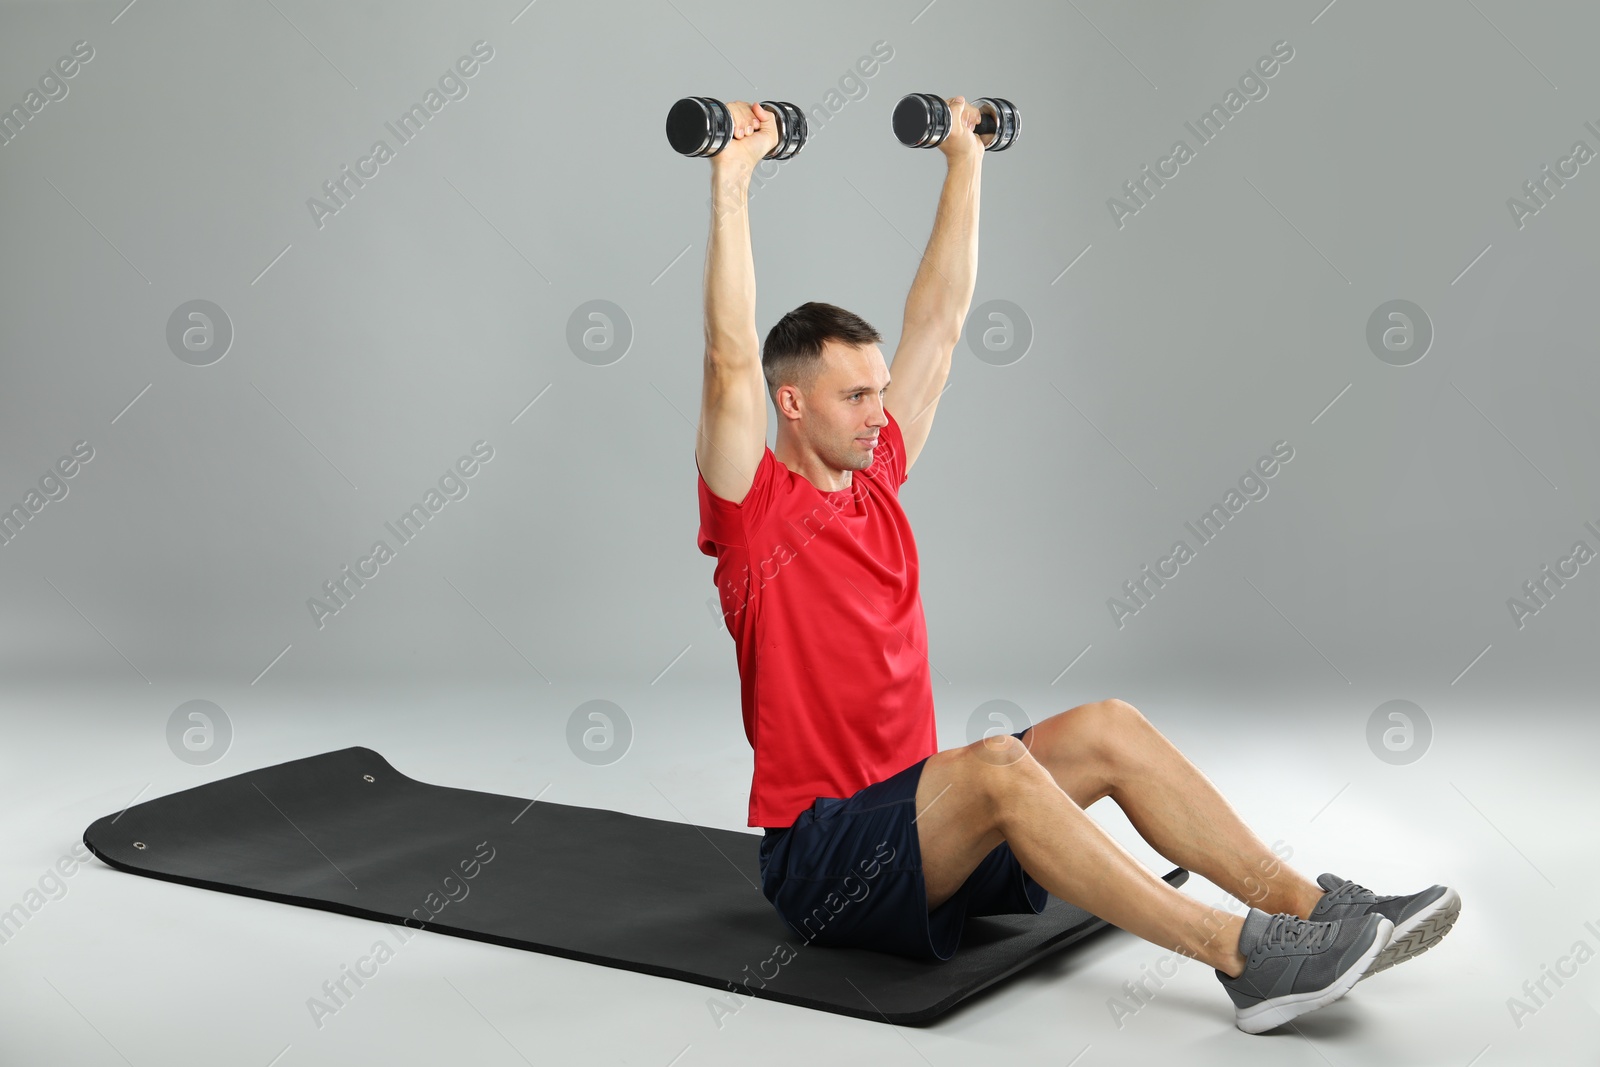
[{"x": 818, "y": 577}]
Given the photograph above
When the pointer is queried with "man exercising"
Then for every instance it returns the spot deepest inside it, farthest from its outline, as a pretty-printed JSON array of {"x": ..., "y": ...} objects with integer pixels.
[{"x": 874, "y": 837}]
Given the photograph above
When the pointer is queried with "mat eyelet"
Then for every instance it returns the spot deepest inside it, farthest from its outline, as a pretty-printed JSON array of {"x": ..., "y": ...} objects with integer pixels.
[
  {"x": 139, "y": 845},
  {"x": 369, "y": 777}
]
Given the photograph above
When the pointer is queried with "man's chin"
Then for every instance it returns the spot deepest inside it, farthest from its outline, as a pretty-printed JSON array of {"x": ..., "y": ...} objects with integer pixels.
[{"x": 856, "y": 459}]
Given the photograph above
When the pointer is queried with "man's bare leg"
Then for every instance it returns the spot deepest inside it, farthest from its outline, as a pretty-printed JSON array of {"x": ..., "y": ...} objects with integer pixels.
[
  {"x": 1109, "y": 749},
  {"x": 970, "y": 799}
]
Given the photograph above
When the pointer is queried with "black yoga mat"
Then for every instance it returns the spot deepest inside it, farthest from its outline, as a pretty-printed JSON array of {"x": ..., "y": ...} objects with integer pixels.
[{"x": 346, "y": 832}]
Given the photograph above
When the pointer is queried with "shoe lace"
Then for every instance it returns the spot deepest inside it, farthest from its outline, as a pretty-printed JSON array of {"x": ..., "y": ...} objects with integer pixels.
[
  {"x": 1352, "y": 892},
  {"x": 1294, "y": 932}
]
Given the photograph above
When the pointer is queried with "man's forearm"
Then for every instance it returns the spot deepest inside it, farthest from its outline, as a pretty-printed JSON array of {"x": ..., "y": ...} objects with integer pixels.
[
  {"x": 730, "y": 280},
  {"x": 942, "y": 291}
]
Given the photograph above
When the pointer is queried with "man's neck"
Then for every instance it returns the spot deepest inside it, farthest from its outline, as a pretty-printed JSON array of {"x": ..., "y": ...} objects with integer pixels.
[{"x": 810, "y": 467}]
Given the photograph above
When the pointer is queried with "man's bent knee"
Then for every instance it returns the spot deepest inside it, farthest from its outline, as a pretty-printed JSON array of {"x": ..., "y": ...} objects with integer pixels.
[
  {"x": 989, "y": 768},
  {"x": 1000, "y": 750},
  {"x": 1119, "y": 712},
  {"x": 1093, "y": 739},
  {"x": 1106, "y": 722}
]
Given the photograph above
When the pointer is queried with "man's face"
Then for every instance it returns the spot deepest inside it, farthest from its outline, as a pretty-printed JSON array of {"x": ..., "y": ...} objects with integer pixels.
[{"x": 844, "y": 409}]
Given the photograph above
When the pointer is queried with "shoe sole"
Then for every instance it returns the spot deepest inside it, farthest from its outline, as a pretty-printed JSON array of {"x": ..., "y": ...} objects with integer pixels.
[
  {"x": 1275, "y": 1012},
  {"x": 1419, "y": 933}
]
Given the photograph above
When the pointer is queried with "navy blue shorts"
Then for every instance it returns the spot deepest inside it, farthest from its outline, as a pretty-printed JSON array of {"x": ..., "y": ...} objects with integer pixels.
[{"x": 849, "y": 873}]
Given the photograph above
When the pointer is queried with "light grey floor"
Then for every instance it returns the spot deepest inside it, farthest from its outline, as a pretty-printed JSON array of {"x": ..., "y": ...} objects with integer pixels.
[{"x": 114, "y": 969}]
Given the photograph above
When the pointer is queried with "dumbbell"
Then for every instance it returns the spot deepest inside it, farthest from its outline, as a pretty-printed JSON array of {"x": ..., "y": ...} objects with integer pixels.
[
  {"x": 701, "y": 126},
  {"x": 922, "y": 120}
]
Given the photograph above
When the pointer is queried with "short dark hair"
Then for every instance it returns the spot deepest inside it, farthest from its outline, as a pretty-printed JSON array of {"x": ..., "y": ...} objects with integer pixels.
[{"x": 792, "y": 354}]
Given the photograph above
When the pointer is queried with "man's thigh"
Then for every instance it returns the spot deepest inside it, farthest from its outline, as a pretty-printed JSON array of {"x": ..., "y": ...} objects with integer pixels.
[{"x": 957, "y": 809}]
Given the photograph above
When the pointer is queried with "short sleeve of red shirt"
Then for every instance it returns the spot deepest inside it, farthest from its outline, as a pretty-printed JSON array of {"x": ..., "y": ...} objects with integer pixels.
[{"x": 821, "y": 593}]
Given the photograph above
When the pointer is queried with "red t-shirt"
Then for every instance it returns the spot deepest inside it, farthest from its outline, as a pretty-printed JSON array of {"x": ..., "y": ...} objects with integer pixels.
[{"x": 820, "y": 592}]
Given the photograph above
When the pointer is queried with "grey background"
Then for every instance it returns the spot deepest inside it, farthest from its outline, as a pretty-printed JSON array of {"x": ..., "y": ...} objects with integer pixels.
[
  {"x": 384, "y": 344},
  {"x": 369, "y": 354}
]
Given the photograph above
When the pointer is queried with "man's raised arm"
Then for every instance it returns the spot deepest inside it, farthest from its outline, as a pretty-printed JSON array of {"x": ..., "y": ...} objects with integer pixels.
[
  {"x": 941, "y": 294},
  {"x": 733, "y": 402}
]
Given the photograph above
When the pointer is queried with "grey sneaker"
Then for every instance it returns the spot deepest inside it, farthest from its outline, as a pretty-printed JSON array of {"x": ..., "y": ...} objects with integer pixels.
[
  {"x": 1293, "y": 965},
  {"x": 1420, "y": 920}
]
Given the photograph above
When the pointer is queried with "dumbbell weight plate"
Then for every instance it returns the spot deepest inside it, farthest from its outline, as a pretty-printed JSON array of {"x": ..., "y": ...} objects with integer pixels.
[
  {"x": 921, "y": 120},
  {"x": 699, "y": 126},
  {"x": 792, "y": 129},
  {"x": 1004, "y": 118}
]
